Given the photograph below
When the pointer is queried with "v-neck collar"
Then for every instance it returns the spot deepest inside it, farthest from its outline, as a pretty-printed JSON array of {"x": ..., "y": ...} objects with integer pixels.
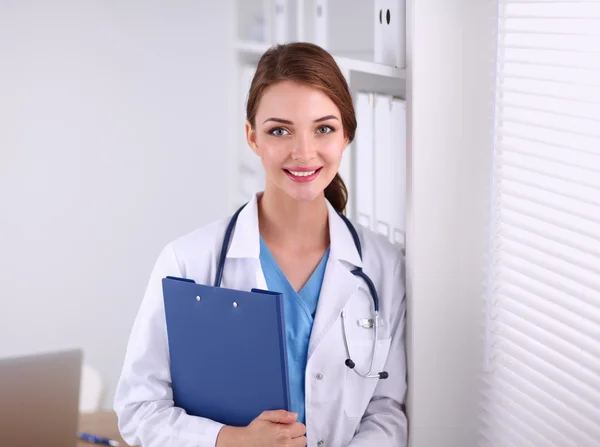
[
  {"x": 245, "y": 243},
  {"x": 313, "y": 276}
]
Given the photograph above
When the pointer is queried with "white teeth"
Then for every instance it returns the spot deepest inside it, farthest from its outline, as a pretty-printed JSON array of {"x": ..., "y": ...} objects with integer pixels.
[{"x": 302, "y": 174}]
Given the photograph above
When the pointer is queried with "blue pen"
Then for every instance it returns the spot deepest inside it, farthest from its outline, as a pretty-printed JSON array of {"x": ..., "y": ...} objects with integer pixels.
[{"x": 97, "y": 439}]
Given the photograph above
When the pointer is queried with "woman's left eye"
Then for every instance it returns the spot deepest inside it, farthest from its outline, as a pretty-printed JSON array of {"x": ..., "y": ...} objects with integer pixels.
[
  {"x": 278, "y": 132},
  {"x": 325, "y": 129}
]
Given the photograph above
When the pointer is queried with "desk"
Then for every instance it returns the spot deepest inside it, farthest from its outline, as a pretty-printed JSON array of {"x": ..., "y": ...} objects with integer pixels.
[{"x": 103, "y": 423}]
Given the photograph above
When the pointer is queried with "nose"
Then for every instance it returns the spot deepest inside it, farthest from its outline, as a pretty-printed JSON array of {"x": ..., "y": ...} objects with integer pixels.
[{"x": 304, "y": 150}]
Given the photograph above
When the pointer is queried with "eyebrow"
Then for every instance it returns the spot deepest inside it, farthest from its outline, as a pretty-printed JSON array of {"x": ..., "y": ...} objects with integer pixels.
[{"x": 281, "y": 120}]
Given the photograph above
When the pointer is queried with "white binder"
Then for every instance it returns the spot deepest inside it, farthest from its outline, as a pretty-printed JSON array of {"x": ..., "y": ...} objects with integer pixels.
[
  {"x": 390, "y": 32},
  {"x": 364, "y": 158},
  {"x": 384, "y": 169},
  {"x": 398, "y": 195}
]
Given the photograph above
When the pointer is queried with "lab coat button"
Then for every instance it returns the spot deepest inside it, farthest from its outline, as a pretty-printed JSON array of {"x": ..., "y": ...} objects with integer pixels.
[
  {"x": 320, "y": 443},
  {"x": 319, "y": 376}
]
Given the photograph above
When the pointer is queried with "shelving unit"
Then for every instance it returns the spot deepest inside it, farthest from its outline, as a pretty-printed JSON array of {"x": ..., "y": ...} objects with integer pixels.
[
  {"x": 250, "y": 52},
  {"x": 351, "y": 38}
]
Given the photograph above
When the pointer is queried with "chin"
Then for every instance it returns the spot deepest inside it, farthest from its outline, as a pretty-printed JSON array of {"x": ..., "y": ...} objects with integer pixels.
[{"x": 304, "y": 194}]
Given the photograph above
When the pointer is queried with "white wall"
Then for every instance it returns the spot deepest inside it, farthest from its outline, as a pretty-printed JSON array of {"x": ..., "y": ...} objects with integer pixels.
[
  {"x": 114, "y": 139},
  {"x": 450, "y": 97}
]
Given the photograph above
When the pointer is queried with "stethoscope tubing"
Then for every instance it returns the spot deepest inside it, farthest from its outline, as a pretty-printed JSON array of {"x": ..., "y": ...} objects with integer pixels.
[{"x": 357, "y": 272}]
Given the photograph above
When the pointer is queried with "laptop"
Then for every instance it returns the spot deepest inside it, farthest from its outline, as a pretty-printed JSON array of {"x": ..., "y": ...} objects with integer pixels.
[{"x": 39, "y": 399}]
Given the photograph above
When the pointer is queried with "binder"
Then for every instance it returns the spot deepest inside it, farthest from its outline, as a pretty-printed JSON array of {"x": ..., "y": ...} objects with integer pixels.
[
  {"x": 398, "y": 11},
  {"x": 384, "y": 169},
  {"x": 363, "y": 142},
  {"x": 398, "y": 142},
  {"x": 228, "y": 355},
  {"x": 390, "y": 32}
]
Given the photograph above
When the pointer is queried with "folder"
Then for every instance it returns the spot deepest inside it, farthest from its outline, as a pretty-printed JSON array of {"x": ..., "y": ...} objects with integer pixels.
[
  {"x": 363, "y": 143},
  {"x": 384, "y": 168},
  {"x": 390, "y": 32},
  {"x": 398, "y": 141},
  {"x": 228, "y": 354}
]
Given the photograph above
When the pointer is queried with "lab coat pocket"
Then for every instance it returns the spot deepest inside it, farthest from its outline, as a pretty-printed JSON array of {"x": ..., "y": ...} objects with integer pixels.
[{"x": 359, "y": 390}]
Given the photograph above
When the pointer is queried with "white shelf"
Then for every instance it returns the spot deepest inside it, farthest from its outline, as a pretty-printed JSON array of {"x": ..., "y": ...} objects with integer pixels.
[
  {"x": 251, "y": 52},
  {"x": 358, "y": 66}
]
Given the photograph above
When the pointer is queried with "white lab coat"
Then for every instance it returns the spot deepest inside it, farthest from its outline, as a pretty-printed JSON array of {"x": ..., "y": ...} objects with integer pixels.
[{"x": 342, "y": 408}]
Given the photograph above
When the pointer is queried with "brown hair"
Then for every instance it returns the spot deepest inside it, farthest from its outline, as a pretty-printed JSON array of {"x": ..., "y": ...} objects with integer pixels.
[{"x": 308, "y": 64}]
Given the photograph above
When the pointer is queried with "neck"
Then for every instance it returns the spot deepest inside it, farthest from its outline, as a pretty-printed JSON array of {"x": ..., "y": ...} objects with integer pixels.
[{"x": 292, "y": 223}]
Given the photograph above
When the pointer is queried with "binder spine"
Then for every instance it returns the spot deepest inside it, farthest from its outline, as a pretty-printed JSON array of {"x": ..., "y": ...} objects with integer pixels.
[{"x": 283, "y": 353}]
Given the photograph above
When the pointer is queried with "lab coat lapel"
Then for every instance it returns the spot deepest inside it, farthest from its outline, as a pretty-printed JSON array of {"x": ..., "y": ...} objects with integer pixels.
[
  {"x": 242, "y": 266},
  {"x": 339, "y": 284}
]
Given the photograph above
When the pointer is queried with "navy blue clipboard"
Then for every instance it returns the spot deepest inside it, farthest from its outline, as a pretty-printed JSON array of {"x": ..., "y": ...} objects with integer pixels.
[{"x": 228, "y": 354}]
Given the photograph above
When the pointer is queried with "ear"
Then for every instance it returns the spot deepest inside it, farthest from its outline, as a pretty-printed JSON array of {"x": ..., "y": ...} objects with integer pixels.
[
  {"x": 346, "y": 142},
  {"x": 251, "y": 137}
]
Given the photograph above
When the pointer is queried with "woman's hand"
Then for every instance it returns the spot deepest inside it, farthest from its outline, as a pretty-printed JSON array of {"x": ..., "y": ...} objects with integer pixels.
[{"x": 270, "y": 429}]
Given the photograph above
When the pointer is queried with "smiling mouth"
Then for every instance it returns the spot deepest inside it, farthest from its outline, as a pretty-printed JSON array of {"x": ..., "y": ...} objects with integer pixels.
[{"x": 303, "y": 176}]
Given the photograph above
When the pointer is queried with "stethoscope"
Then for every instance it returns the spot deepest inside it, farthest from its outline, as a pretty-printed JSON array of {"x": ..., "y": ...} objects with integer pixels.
[{"x": 357, "y": 272}]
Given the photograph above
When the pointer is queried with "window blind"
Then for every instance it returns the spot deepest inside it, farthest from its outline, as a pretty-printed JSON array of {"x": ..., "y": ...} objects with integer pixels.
[{"x": 541, "y": 383}]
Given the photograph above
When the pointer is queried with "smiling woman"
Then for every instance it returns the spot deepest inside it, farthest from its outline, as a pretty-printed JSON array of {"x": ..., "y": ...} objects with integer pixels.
[
  {"x": 342, "y": 287},
  {"x": 300, "y": 111},
  {"x": 300, "y": 152}
]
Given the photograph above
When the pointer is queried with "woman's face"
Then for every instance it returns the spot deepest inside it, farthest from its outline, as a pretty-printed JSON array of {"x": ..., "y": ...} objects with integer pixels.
[{"x": 299, "y": 138}]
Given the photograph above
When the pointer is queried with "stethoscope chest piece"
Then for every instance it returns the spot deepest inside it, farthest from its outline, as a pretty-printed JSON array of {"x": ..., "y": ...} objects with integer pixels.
[{"x": 350, "y": 363}]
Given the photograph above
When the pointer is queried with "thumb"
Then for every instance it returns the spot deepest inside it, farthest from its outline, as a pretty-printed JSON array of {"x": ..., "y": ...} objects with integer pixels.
[{"x": 278, "y": 416}]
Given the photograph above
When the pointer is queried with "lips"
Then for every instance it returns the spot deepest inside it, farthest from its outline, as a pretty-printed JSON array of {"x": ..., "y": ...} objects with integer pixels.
[{"x": 303, "y": 175}]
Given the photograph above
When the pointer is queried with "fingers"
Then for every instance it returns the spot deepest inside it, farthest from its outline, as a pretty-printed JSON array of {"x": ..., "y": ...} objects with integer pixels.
[
  {"x": 298, "y": 442},
  {"x": 291, "y": 435},
  {"x": 297, "y": 429},
  {"x": 278, "y": 416}
]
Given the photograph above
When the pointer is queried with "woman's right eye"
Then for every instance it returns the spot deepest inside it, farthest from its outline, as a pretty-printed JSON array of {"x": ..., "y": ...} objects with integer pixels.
[{"x": 278, "y": 132}]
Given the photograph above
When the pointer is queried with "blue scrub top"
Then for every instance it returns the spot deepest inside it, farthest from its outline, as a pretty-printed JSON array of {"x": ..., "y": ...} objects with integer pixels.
[{"x": 300, "y": 308}]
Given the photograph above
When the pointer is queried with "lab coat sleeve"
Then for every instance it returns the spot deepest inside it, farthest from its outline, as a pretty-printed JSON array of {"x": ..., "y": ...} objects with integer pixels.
[
  {"x": 384, "y": 422},
  {"x": 144, "y": 398}
]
